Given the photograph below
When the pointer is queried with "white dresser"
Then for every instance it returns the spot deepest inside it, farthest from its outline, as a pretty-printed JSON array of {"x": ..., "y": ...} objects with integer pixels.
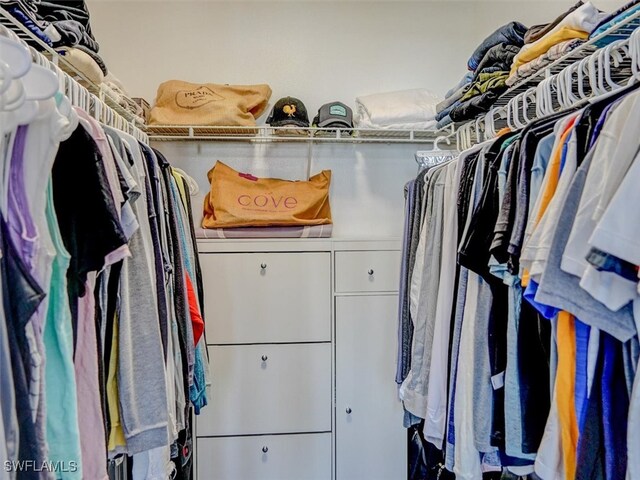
[{"x": 302, "y": 350}]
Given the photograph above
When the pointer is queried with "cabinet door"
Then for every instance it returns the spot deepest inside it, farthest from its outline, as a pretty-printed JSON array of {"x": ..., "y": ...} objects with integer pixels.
[
  {"x": 267, "y": 297},
  {"x": 371, "y": 442},
  {"x": 268, "y": 389},
  {"x": 279, "y": 457}
]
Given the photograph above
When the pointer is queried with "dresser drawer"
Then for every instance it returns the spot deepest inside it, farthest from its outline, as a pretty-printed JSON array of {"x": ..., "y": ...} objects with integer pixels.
[
  {"x": 267, "y": 297},
  {"x": 280, "y": 457},
  {"x": 260, "y": 389},
  {"x": 367, "y": 271}
]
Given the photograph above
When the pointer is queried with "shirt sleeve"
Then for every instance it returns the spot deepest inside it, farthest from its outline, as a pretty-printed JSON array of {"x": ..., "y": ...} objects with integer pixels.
[{"x": 617, "y": 232}]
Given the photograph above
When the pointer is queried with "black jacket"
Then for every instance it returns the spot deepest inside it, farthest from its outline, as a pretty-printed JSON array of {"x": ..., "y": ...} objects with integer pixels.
[
  {"x": 476, "y": 105},
  {"x": 498, "y": 57}
]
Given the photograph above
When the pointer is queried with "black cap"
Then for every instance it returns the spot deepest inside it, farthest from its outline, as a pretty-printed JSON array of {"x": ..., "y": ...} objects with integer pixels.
[
  {"x": 288, "y": 111},
  {"x": 334, "y": 114}
]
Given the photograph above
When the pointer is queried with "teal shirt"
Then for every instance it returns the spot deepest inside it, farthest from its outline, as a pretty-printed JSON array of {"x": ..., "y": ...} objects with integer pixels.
[{"x": 63, "y": 434}]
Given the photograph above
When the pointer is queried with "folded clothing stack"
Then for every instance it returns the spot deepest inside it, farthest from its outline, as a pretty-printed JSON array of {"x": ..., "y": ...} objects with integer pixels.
[
  {"x": 498, "y": 58},
  {"x": 71, "y": 20},
  {"x": 64, "y": 26},
  {"x": 612, "y": 20},
  {"x": 481, "y": 95},
  {"x": 510, "y": 34},
  {"x": 114, "y": 88},
  {"x": 81, "y": 61},
  {"x": 574, "y": 24},
  {"x": 25, "y": 12},
  {"x": 451, "y": 99},
  {"x": 536, "y": 32},
  {"x": 513, "y": 53},
  {"x": 557, "y": 51},
  {"x": 60, "y": 24},
  {"x": 402, "y": 110},
  {"x": 490, "y": 63}
]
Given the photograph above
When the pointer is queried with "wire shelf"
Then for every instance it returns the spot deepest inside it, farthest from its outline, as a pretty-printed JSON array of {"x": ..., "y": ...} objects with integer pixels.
[
  {"x": 261, "y": 133},
  {"x": 101, "y": 91},
  {"x": 476, "y": 129},
  {"x": 620, "y": 31}
]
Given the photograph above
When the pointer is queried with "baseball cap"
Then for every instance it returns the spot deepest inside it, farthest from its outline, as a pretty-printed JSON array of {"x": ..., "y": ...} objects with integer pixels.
[
  {"x": 334, "y": 114},
  {"x": 288, "y": 111}
]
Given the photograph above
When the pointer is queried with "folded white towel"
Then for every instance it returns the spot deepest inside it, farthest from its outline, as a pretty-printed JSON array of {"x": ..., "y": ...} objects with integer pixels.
[{"x": 405, "y": 109}]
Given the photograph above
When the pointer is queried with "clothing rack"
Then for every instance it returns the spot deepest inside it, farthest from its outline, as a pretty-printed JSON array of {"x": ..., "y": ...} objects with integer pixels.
[
  {"x": 590, "y": 71},
  {"x": 91, "y": 98},
  {"x": 89, "y": 102}
]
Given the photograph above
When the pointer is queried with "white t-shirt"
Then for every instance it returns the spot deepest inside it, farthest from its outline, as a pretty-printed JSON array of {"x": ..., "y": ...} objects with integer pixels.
[
  {"x": 618, "y": 231},
  {"x": 574, "y": 258},
  {"x": 615, "y": 233}
]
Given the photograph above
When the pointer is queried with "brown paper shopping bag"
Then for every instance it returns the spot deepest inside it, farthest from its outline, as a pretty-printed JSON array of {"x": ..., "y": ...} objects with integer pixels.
[
  {"x": 184, "y": 103},
  {"x": 242, "y": 200}
]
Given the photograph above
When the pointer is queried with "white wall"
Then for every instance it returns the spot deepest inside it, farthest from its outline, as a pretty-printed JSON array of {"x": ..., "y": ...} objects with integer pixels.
[
  {"x": 367, "y": 182},
  {"x": 318, "y": 51}
]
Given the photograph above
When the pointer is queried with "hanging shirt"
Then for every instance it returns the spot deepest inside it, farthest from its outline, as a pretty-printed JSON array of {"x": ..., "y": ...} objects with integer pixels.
[
  {"x": 414, "y": 389},
  {"x": 20, "y": 303},
  {"x": 467, "y": 459},
  {"x": 550, "y": 184},
  {"x": 461, "y": 452},
  {"x": 578, "y": 247},
  {"x": 469, "y": 169},
  {"x": 24, "y": 235},
  {"x": 521, "y": 185},
  {"x": 513, "y": 413},
  {"x": 197, "y": 389},
  {"x": 143, "y": 396},
  {"x": 614, "y": 234},
  {"x": 180, "y": 307},
  {"x": 63, "y": 431},
  {"x": 615, "y": 408},
  {"x": 537, "y": 249},
  {"x": 405, "y": 328},
  {"x": 90, "y": 230},
  {"x": 434, "y": 427},
  {"x": 560, "y": 289},
  {"x": 8, "y": 417}
]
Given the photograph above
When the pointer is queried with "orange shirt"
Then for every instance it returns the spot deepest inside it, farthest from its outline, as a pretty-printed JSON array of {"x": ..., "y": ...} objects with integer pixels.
[
  {"x": 550, "y": 183},
  {"x": 565, "y": 392}
]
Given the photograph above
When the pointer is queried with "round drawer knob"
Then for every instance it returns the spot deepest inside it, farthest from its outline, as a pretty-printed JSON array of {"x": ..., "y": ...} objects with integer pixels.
[
  {"x": 265, "y": 449},
  {"x": 263, "y": 266},
  {"x": 370, "y": 272},
  {"x": 348, "y": 410},
  {"x": 264, "y": 358}
]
